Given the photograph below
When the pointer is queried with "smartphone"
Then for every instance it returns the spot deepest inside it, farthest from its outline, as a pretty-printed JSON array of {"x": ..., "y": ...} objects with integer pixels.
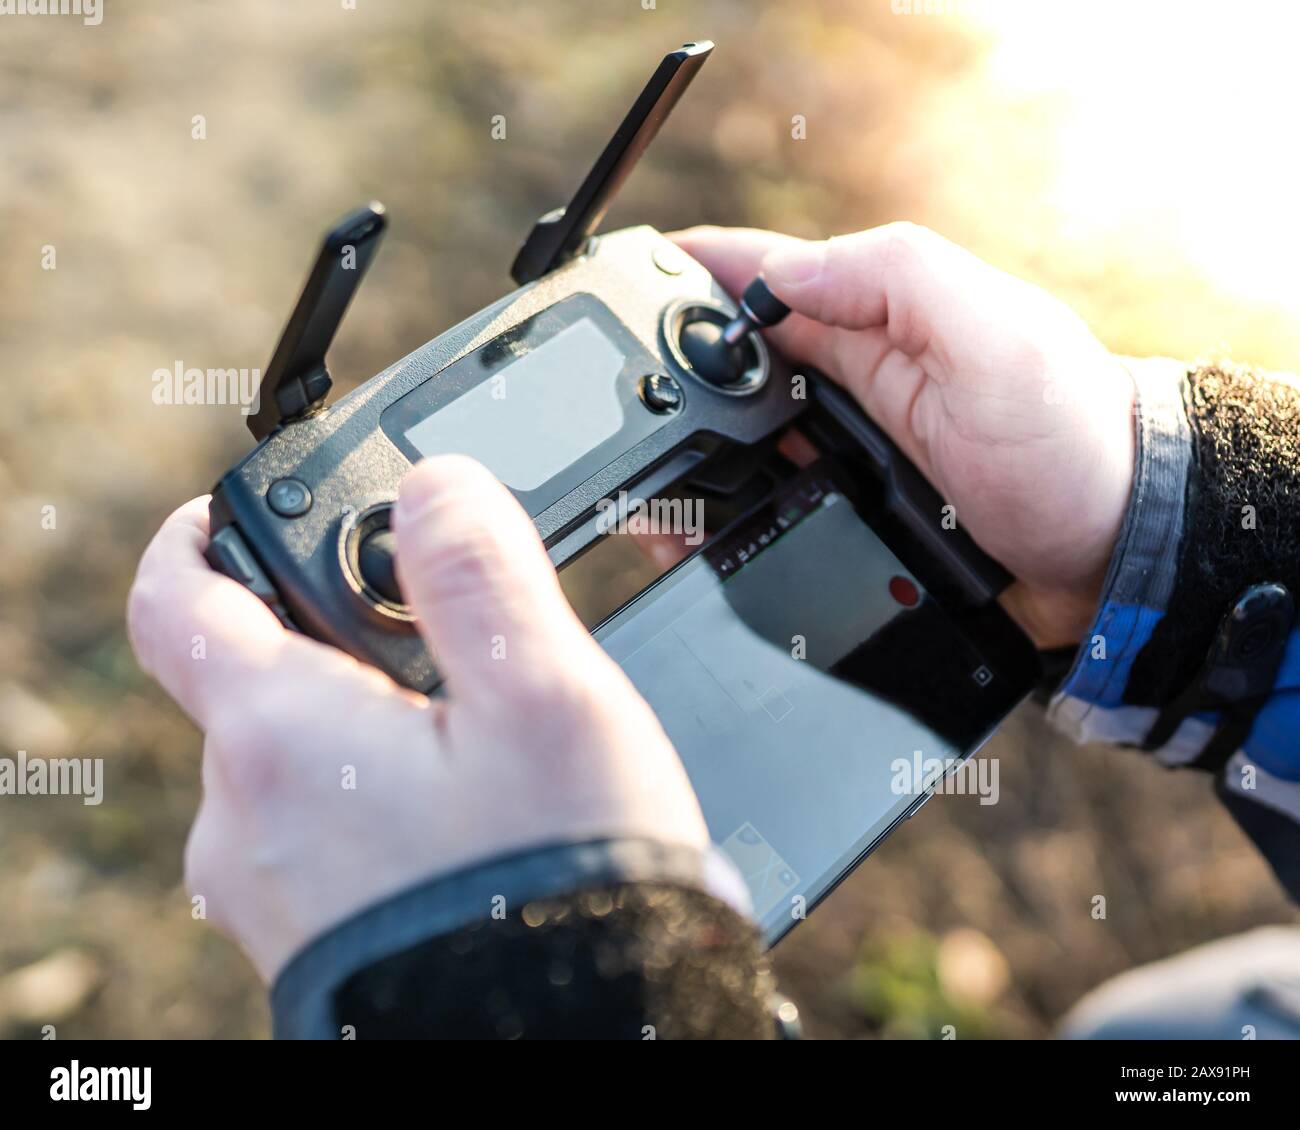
[{"x": 818, "y": 671}]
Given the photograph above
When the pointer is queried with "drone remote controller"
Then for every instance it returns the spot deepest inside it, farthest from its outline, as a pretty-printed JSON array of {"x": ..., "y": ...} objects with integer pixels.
[
  {"x": 831, "y": 617},
  {"x": 619, "y": 364}
]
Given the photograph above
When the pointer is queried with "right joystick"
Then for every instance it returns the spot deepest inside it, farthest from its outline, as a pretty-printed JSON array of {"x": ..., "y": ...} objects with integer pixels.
[
  {"x": 718, "y": 361},
  {"x": 727, "y": 353}
]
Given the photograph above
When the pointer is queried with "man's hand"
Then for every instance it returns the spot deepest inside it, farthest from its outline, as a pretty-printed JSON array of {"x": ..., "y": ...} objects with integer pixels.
[
  {"x": 326, "y": 787},
  {"x": 997, "y": 392}
]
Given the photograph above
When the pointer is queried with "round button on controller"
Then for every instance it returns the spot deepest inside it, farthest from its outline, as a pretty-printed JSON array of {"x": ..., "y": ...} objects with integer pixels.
[
  {"x": 669, "y": 259},
  {"x": 660, "y": 393},
  {"x": 289, "y": 498}
]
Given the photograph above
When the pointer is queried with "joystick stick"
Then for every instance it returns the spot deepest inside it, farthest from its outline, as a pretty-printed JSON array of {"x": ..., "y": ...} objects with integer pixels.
[
  {"x": 721, "y": 354},
  {"x": 713, "y": 358}
]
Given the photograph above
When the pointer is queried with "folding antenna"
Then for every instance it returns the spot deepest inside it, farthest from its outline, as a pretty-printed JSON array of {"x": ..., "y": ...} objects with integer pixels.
[
  {"x": 561, "y": 235},
  {"x": 297, "y": 379}
]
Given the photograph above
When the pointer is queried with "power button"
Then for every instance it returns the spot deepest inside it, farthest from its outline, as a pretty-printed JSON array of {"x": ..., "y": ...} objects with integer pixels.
[{"x": 289, "y": 498}]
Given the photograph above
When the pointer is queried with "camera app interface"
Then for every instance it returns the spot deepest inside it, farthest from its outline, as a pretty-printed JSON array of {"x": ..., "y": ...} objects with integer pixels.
[{"x": 803, "y": 674}]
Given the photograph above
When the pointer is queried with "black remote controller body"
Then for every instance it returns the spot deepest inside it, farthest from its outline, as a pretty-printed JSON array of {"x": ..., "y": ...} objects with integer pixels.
[
  {"x": 610, "y": 403},
  {"x": 350, "y": 458}
]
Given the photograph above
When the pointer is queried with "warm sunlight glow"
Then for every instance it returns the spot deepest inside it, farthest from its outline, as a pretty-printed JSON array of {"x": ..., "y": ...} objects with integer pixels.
[{"x": 1177, "y": 126}]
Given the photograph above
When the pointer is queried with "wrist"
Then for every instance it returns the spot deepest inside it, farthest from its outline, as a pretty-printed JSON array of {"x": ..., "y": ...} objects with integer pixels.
[{"x": 1051, "y": 618}]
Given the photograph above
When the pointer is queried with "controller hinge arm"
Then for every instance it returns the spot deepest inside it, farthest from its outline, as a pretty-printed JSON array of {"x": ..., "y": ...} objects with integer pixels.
[
  {"x": 297, "y": 380},
  {"x": 562, "y": 234}
]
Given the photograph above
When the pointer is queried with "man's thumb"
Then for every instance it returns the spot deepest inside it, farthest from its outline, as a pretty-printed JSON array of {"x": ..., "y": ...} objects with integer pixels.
[
  {"x": 896, "y": 272},
  {"x": 477, "y": 578},
  {"x": 795, "y": 263}
]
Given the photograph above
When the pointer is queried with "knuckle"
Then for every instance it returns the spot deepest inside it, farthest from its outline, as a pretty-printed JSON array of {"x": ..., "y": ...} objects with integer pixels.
[
  {"x": 246, "y": 750},
  {"x": 905, "y": 241},
  {"x": 141, "y": 613}
]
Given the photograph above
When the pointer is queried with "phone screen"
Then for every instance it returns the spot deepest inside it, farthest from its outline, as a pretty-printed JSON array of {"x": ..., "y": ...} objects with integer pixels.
[{"x": 810, "y": 684}]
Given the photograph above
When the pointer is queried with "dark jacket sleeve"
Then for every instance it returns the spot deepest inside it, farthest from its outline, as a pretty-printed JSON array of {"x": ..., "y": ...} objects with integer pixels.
[
  {"x": 1194, "y": 654},
  {"x": 606, "y": 940}
]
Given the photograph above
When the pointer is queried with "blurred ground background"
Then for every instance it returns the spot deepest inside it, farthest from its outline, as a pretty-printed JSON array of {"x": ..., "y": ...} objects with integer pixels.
[{"x": 1135, "y": 159}]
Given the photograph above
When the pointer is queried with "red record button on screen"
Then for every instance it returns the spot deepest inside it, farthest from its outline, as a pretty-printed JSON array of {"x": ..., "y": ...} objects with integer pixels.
[{"x": 904, "y": 591}]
